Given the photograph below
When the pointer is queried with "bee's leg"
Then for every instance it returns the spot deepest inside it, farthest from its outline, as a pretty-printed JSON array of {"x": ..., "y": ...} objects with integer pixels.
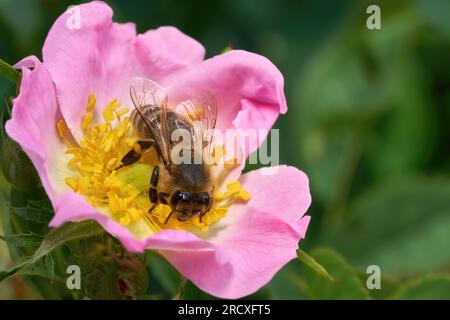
[
  {"x": 162, "y": 197},
  {"x": 152, "y": 192},
  {"x": 202, "y": 214},
  {"x": 135, "y": 154},
  {"x": 152, "y": 208},
  {"x": 207, "y": 209}
]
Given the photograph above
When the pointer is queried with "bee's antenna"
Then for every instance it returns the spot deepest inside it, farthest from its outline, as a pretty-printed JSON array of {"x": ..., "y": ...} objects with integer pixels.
[{"x": 168, "y": 217}]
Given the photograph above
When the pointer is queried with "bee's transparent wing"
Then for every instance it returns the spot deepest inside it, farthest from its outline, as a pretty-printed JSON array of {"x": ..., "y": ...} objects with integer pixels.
[
  {"x": 202, "y": 113},
  {"x": 150, "y": 100}
]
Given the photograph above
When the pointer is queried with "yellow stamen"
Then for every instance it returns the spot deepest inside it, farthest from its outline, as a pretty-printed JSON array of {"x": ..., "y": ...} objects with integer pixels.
[
  {"x": 63, "y": 130},
  {"x": 137, "y": 148},
  {"x": 91, "y": 102},
  {"x": 71, "y": 182},
  {"x": 217, "y": 154},
  {"x": 231, "y": 163},
  {"x": 124, "y": 192},
  {"x": 87, "y": 120},
  {"x": 121, "y": 113}
]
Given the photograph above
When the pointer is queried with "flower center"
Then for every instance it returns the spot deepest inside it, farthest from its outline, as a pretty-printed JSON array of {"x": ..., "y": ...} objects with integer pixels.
[{"x": 124, "y": 192}]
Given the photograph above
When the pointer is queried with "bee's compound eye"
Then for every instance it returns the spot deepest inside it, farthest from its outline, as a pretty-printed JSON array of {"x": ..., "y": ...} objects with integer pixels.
[
  {"x": 206, "y": 197},
  {"x": 179, "y": 196}
]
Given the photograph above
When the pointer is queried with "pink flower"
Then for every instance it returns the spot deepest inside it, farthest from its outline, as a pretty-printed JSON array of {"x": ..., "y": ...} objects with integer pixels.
[{"x": 243, "y": 250}]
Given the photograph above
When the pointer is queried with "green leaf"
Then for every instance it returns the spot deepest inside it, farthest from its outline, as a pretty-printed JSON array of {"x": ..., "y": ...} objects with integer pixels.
[
  {"x": 9, "y": 72},
  {"x": 314, "y": 265},
  {"x": 110, "y": 272},
  {"x": 17, "y": 167},
  {"x": 327, "y": 122},
  {"x": 192, "y": 292},
  {"x": 40, "y": 204},
  {"x": 388, "y": 286},
  {"x": 264, "y": 293},
  {"x": 436, "y": 14},
  {"x": 42, "y": 272},
  {"x": 30, "y": 213},
  {"x": 57, "y": 237},
  {"x": 370, "y": 109},
  {"x": 400, "y": 225},
  {"x": 179, "y": 295},
  {"x": 164, "y": 277},
  {"x": 347, "y": 284},
  {"x": 23, "y": 240},
  {"x": 426, "y": 288},
  {"x": 49, "y": 264},
  {"x": 288, "y": 282}
]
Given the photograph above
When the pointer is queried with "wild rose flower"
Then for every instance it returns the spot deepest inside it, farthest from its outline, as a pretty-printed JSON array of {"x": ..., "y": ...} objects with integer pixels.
[{"x": 71, "y": 118}]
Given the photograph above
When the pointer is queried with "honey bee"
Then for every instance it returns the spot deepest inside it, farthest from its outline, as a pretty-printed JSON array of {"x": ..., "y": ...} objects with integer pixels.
[{"x": 186, "y": 187}]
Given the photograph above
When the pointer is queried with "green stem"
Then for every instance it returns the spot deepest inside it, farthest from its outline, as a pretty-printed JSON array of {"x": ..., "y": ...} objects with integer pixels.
[
  {"x": 311, "y": 263},
  {"x": 9, "y": 72}
]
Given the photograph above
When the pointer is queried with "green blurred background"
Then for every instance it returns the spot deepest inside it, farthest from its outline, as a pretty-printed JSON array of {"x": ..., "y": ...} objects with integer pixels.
[{"x": 367, "y": 121}]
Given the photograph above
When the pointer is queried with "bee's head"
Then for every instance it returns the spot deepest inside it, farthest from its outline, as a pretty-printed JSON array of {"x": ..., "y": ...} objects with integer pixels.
[{"x": 186, "y": 205}]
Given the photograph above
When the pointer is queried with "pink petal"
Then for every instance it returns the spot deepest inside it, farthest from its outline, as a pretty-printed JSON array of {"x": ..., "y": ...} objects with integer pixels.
[
  {"x": 247, "y": 86},
  {"x": 236, "y": 263},
  {"x": 251, "y": 252},
  {"x": 167, "y": 50},
  {"x": 256, "y": 239},
  {"x": 282, "y": 191},
  {"x": 102, "y": 57},
  {"x": 238, "y": 258},
  {"x": 33, "y": 124}
]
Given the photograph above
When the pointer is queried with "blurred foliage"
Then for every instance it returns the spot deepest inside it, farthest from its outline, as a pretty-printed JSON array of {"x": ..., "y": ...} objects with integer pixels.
[{"x": 368, "y": 122}]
